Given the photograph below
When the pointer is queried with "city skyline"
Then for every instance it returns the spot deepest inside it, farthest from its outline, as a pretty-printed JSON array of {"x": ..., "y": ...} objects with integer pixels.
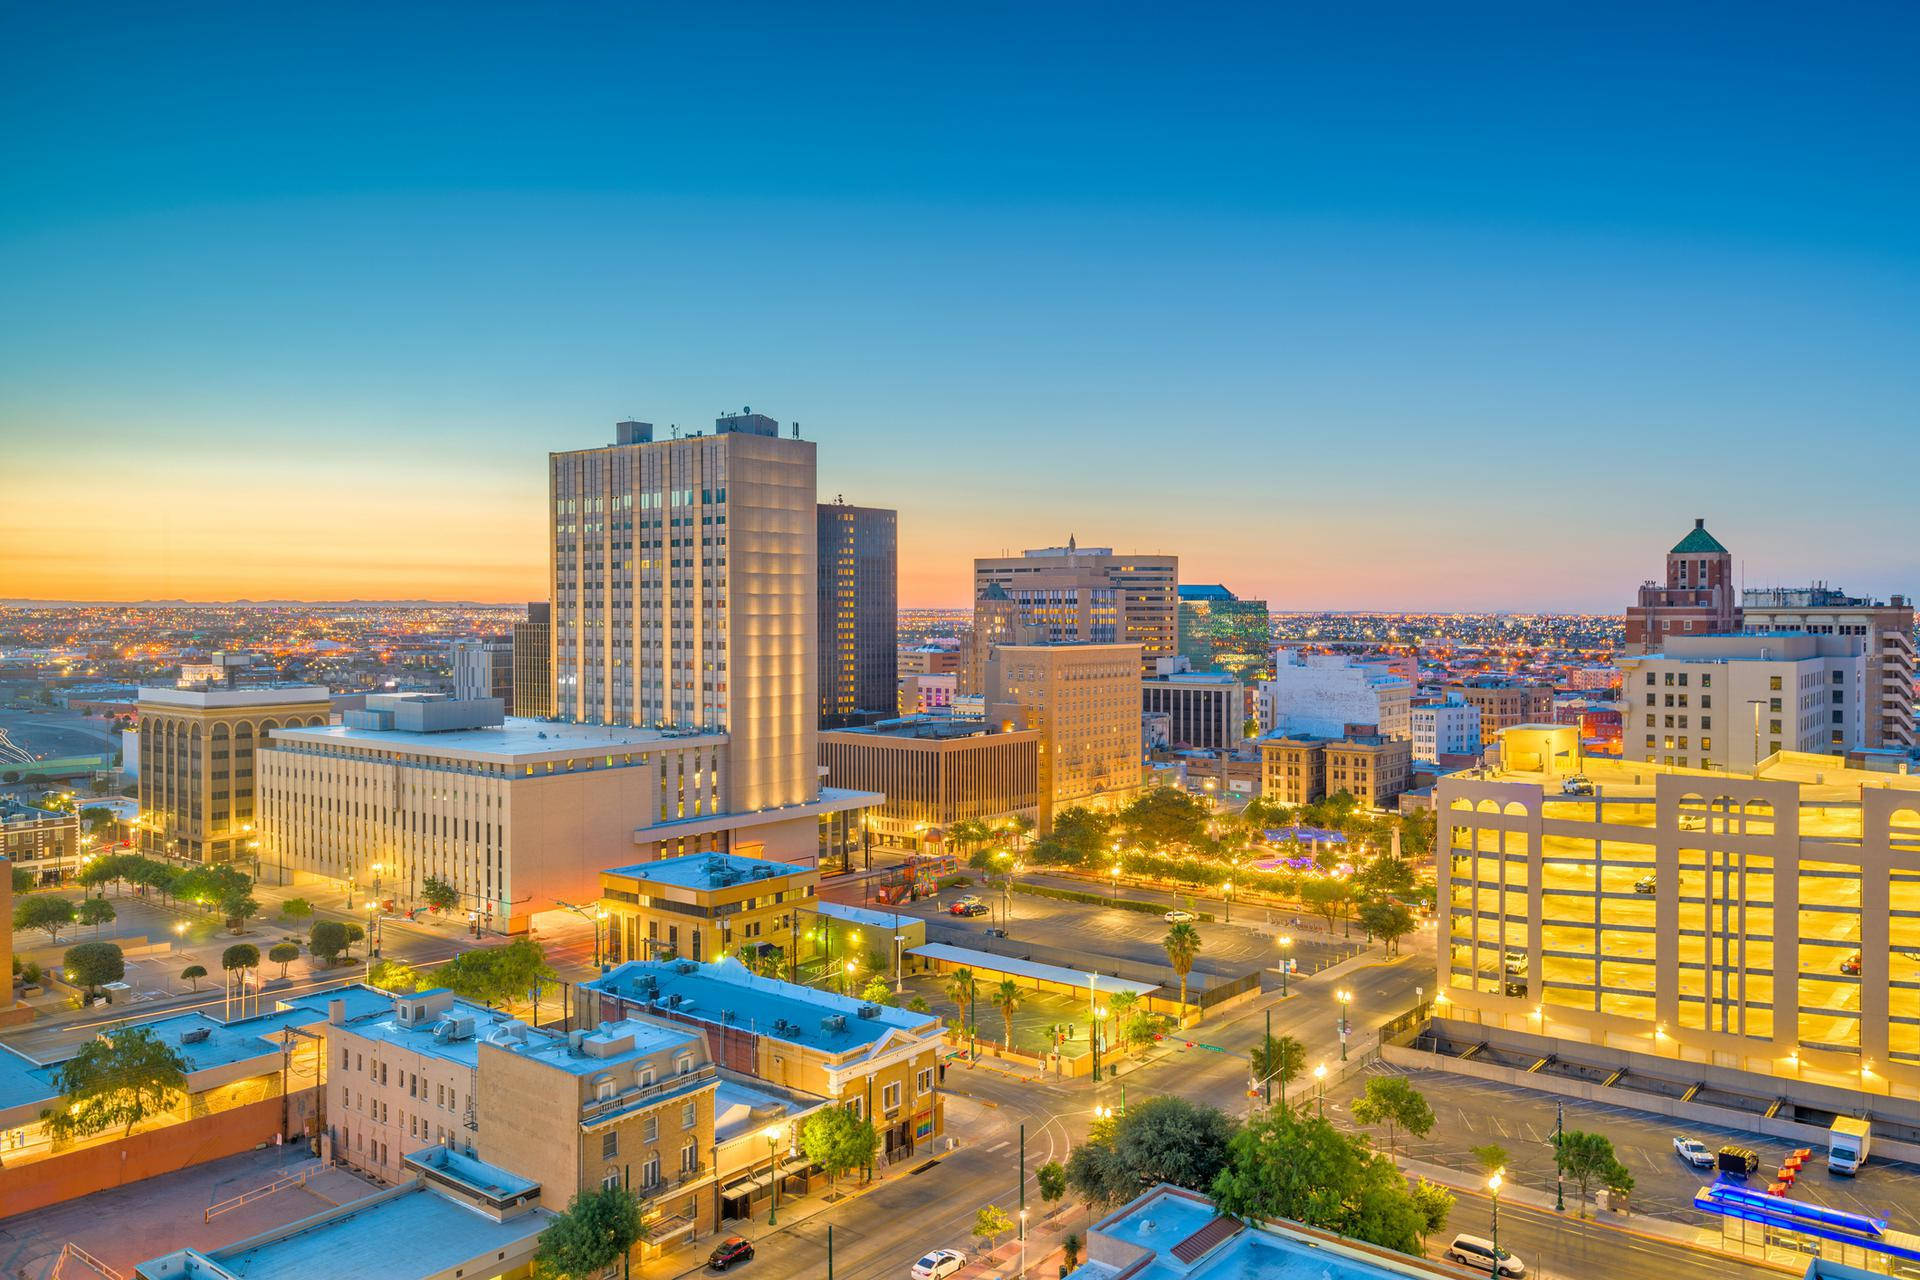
[{"x": 1379, "y": 317}]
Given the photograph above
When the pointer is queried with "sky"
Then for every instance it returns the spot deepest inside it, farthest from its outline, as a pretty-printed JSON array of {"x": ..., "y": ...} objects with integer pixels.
[{"x": 1413, "y": 306}]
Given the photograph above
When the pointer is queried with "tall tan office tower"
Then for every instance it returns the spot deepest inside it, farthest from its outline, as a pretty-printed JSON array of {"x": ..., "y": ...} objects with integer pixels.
[
  {"x": 684, "y": 598},
  {"x": 1089, "y": 595}
]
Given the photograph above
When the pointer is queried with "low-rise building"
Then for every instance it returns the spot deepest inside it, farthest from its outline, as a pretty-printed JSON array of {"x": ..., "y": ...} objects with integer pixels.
[
  {"x": 1885, "y": 630},
  {"x": 1502, "y": 703},
  {"x": 703, "y": 906},
  {"x": 45, "y": 843},
  {"x": 1447, "y": 727},
  {"x": 1329, "y": 694},
  {"x": 879, "y": 1060},
  {"x": 1301, "y": 768},
  {"x": 935, "y": 772},
  {"x": 1205, "y": 709},
  {"x": 923, "y": 693}
]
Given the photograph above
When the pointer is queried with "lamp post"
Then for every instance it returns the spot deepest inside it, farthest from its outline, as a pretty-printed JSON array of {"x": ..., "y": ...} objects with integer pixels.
[
  {"x": 1286, "y": 945},
  {"x": 1099, "y": 1018},
  {"x": 846, "y": 984},
  {"x": 1114, "y": 897},
  {"x": 1320, "y": 1081},
  {"x": 772, "y": 1134},
  {"x": 1226, "y": 891},
  {"x": 1345, "y": 998},
  {"x": 1493, "y": 1189},
  {"x": 899, "y": 953}
]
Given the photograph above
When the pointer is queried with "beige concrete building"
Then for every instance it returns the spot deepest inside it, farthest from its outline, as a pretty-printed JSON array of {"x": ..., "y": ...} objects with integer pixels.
[
  {"x": 197, "y": 763},
  {"x": 1301, "y": 768},
  {"x": 684, "y": 596},
  {"x": 1504, "y": 704},
  {"x": 1084, "y": 702},
  {"x": 515, "y": 815},
  {"x": 1885, "y": 630},
  {"x": 1089, "y": 595},
  {"x": 934, "y": 772},
  {"x": 533, "y": 663},
  {"x": 1760, "y": 925},
  {"x": 703, "y": 906},
  {"x": 482, "y": 668},
  {"x": 1293, "y": 768},
  {"x": 878, "y": 1060}
]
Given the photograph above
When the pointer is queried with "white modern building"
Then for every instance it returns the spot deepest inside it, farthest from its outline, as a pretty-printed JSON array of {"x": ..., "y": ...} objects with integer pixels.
[
  {"x": 483, "y": 669},
  {"x": 1729, "y": 702},
  {"x": 1449, "y": 727},
  {"x": 1330, "y": 695},
  {"x": 1886, "y": 631}
]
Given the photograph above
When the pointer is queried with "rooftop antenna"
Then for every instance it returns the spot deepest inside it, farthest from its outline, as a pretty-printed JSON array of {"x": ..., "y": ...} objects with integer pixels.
[{"x": 796, "y": 431}]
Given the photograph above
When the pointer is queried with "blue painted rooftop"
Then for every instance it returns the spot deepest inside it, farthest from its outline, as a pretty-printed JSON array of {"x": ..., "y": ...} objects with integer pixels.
[
  {"x": 707, "y": 870},
  {"x": 712, "y": 992}
]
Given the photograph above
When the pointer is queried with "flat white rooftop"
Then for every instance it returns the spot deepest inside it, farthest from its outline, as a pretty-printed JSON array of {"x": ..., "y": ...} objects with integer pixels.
[
  {"x": 264, "y": 695},
  {"x": 516, "y": 741}
]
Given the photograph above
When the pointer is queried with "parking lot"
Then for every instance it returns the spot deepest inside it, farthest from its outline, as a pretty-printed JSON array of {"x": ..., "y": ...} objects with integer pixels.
[
  {"x": 1470, "y": 1113},
  {"x": 1033, "y": 1021}
]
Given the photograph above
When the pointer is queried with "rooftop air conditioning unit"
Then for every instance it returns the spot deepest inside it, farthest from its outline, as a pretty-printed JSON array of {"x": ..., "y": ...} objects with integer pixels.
[
  {"x": 834, "y": 1022},
  {"x": 685, "y": 967},
  {"x": 196, "y": 1036},
  {"x": 869, "y": 1010}
]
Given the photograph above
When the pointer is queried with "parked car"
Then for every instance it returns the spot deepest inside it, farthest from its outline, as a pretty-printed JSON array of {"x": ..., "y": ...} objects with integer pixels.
[
  {"x": 1516, "y": 962},
  {"x": 1851, "y": 964},
  {"x": 1692, "y": 822},
  {"x": 729, "y": 1251},
  {"x": 1515, "y": 987},
  {"x": 1694, "y": 1152},
  {"x": 1738, "y": 1161},
  {"x": 1477, "y": 1251},
  {"x": 1645, "y": 884},
  {"x": 1577, "y": 785},
  {"x": 939, "y": 1264},
  {"x": 970, "y": 909},
  {"x": 1177, "y": 916}
]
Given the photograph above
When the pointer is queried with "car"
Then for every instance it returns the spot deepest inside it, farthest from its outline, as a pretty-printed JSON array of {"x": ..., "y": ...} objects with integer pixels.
[
  {"x": 1516, "y": 962},
  {"x": 970, "y": 909},
  {"x": 1851, "y": 964},
  {"x": 939, "y": 1264},
  {"x": 729, "y": 1251},
  {"x": 1694, "y": 1152},
  {"x": 1515, "y": 987},
  {"x": 1477, "y": 1251},
  {"x": 1692, "y": 822},
  {"x": 1645, "y": 884},
  {"x": 1577, "y": 785},
  {"x": 1177, "y": 916}
]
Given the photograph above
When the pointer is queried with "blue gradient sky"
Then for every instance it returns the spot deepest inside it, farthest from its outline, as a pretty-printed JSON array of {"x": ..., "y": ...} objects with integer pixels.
[{"x": 1351, "y": 306}]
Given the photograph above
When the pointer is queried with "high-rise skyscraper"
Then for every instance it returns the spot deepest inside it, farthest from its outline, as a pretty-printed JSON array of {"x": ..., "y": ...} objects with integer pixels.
[
  {"x": 858, "y": 607},
  {"x": 533, "y": 662},
  {"x": 1089, "y": 595},
  {"x": 1221, "y": 632},
  {"x": 1696, "y": 599},
  {"x": 684, "y": 597}
]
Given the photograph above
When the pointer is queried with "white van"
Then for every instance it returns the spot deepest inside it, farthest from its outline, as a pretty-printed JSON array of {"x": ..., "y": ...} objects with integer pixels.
[{"x": 1477, "y": 1252}]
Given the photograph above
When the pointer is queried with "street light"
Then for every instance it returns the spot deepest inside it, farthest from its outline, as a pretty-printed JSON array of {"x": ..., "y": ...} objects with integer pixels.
[
  {"x": 1226, "y": 891},
  {"x": 772, "y": 1134},
  {"x": 846, "y": 985},
  {"x": 1345, "y": 998},
  {"x": 1114, "y": 897},
  {"x": 1286, "y": 945},
  {"x": 1493, "y": 1189},
  {"x": 1099, "y": 1016},
  {"x": 1320, "y": 1080}
]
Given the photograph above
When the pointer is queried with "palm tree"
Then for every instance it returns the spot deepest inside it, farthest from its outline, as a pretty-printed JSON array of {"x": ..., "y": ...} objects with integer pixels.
[
  {"x": 959, "y": 989},
  {"x": 1006, "y": 997},
  {"x": 1182, "y": 944},
  {"x": 1122, "y": 1006}
]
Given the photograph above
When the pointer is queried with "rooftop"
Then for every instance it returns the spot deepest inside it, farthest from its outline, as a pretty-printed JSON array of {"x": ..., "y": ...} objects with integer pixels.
[
  {"x": 1205, "y": 591},
  {"x": 220, "y": 696},
  {"x": 708, "y": 871},
  {"x": 726, "y": 993},
  {"x": 927, "y": 728},
  {"x": 1698, "y": 542},
  {"x": 466, "y": 1173},
  {"x": 1034, "y": 969},
  {"x": 517, "y": 741}
]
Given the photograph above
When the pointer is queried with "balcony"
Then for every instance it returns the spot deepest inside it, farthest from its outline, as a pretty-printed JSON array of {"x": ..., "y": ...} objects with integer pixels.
[{"x": 595, "y": 1108}]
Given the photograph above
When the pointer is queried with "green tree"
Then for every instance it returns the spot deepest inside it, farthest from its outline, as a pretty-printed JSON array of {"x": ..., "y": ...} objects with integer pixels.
[
  {"x": 497, "y": 975},
  {"x": 355, "y": 934},
  {"x": 92, "y": 965},
  {"x": 838, "y": 1141},
  {"x": 1492, "y": 1157},
  {"x": 1292, "y": 1163},
  {"x": 239, "y": 909},
  {"x": 1082, "y": 835},
  {"x": 438, "y": 894},
  {"x": 193, "y": 973},
  {"x": 1393, "y": 1102},
  {"x": 1619, "y": 1184},
  {"x": 1070, "y": 1251},
  {"x": 1165, "y": 816},
  {"x": 1281, "y": 1059},
  {"x": 1007, "y": 998},
  {"x": 1052, "y": 1180},
  {"x": 1435, "y": 1202},
  {"x": 120, "y": 1079},
  {"x": 240, "y": 957},
  {"x": 47, "y": 912},
  {"x": 393, "y": 975},
  {"x": 1182, "y": 945},
  {"x": 22, "y": 880},
  {"x": 1586, "y": 1158},
  {"x": 1164, "y": 1139},
  {"x": 284, "y": 954},
  {"x": 918, "y": 1004},
  {"x": 877, "y": 991},
  {"x": 989, "y": 1224},
  {"x": 296, "y": 909},
  {"x": 598, "y": 1229},
  {"x": 959, "y": 988},
  {"x": 327, "y": 940},
  {"x": 1325, "y": 897},
  {"x": 1386, "y": 920},
  {"x": 96, "y": 912}
]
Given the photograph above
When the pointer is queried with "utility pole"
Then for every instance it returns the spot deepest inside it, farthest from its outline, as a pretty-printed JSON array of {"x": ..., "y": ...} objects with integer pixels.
[
  {"x": 1266, "y": 1056},
  {"x": 1559, "y": 1166},
  {"x": 1023, "y": 1201}
]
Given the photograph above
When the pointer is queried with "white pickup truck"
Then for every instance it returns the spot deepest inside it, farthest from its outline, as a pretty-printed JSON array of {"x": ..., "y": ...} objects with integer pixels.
[{"x": 1694, "y": 1152}]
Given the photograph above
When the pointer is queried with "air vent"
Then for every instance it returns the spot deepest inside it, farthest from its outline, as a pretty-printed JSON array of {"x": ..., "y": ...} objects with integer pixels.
[{"x": 196, "y": 1036}]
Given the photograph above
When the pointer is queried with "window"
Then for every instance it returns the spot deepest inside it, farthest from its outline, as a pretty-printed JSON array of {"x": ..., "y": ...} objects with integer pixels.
[
  {"x": 611, "y": 1180},
  {"x": 890, "y": 1096},
  {"x": 923, "y": 1082},
  {"x": 1773, "y": 683},
  {"x": 688, "y": 1114},
  {"x": 689, "y": 1158},
  {"x": 650, "y": 1172},
  {"x": 610, "y": 1144},
  {"x": 650, "y": 1127},
  {"x": 683, "y": 1065}
]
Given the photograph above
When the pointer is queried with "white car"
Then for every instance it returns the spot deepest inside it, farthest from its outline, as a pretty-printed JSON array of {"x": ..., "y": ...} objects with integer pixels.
[
  {"x": 1479, "y": 1253},
  {"x": 1177, "y": 916},
  {"x": 939, "y": 1264},
  {"x": 1694, "y": 1152}
]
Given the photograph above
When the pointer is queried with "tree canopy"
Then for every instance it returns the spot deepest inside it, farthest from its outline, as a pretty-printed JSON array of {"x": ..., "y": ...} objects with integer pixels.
[
  {"x": 92, "y": 965},
  {"x": 496, "y": 975},
  {"x": 599, "y": 1228},
  {"x": 327, "y": 939},
  {"x": 47, "y": 912},
  {"x": 1393, "y": 1102},
  {"x": 1291, "y": 1163},
  {"x": 837, "y": 1140},
  {"x": 438, "y": 894},
  {"x": 120, "y": 1078},
  {"x": 1165, "y": 816},
  {"x": 1163, "y": 1139}
]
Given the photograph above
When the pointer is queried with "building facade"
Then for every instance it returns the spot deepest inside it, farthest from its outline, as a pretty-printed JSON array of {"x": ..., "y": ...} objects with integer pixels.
[
  {"x": 1084, "y": 702},
  {"x": 1447, "y": 727},
  {"x": 1330, "y": 694},
  {"x": 1753, "y": 924},
  {"x": 684, "y": 596},
  {"x": 704, "y": 907},
  {"x": 483, "y": 669},
  {"x": 1730, "y": 701},
  {"x": 858, "y": 610},
  {"x": 1502, "y": 704},
  {"x": 1205, "y": 709},
  {"x": 1695, "y": 599},
  {"x": 1302, "y": 768},
  {"x": 935, "y": 772},
  {"x": 1221, "y": 632},
  {"x": 197, "y": 764},
  {"x": 45, "y": 843},
  {"x": 926, "y": 693},
  {"x": 928, "y": 660},
  {"x": 1884, "y": 629},
  {"x": 1089, "y": 595},
  {"x": 533, "y": 663}
]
